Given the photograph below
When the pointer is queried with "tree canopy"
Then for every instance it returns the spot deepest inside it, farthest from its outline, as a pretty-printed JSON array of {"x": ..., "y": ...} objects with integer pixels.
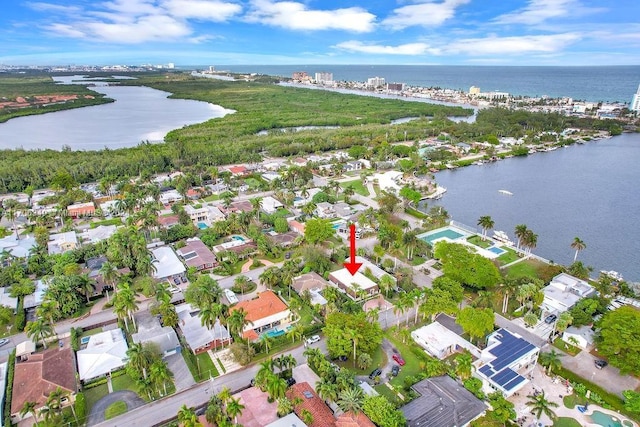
[
  {"x": 619, "y": 339},
  {"x": 342, "y": 329},
  {"x": 460, "y": 263}
]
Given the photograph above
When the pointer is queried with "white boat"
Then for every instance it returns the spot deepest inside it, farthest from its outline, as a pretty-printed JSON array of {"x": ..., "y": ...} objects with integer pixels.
[
  {"x": 508, "y": 193},
  {"x": 612, "y": 274},
  {"x": 501, "y": 236}
]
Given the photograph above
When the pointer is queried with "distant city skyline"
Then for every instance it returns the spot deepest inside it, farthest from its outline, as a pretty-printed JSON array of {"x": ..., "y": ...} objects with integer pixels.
[{"x": 198, "y": 32}]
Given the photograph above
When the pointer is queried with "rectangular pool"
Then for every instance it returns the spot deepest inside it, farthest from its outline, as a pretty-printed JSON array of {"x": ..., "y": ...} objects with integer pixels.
[
  {"x": 496, "y": 250},
  {"x": 449, "y": 233}
]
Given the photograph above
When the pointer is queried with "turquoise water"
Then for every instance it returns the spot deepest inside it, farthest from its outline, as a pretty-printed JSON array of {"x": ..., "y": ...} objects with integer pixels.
[
  {"x": 277, "y": 332},
  {"x": 238, "y": 238},
  {"x": 202, "y": 225},
  {"x": 496, "y": 250},
  {"x": 605, "y": 420},
  {"x": 447, "y": 232},
  {"x": 84, "y": 340},
  {"x": 337, "y": 225}
]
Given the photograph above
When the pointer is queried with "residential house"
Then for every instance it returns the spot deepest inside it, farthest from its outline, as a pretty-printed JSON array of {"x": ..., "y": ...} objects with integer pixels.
[
  {"x": 38, "y": 375},
  {"x": 270, "y": 205},
  {"x": 197, "y": 214},
  {"x": 442, "y": 402},
  {"x": 81, "y": 209},
  {"x": 296, "y": 226},
  {"x": 237, "y": 171},
  {"x": 440, "y": 342},
  {"x": 290, "y": 420},
  {"x": 505, "y": 362},
  {"x": 17, "y": 248},
  {"x": 238, "y": 206},
  {"x": 241, "y": 245},
  {"x": 342, "y": 210},
  {"x": 582, "y": 336},
  {"x": 265, "y": 312},
  {"x": 352, "y": 419},
  {"x": 167, "y": 265},
  {"x": 25, "y": 349},
  {"x": 92, "y": 269},
  {"x": 105, "y": 352},
  {"x": 110, "y": 208},
  {"x": 356, "y": 286},
  {"x": 198, "y": 337},
  {"x": 168, "y": 221},
  {"x": 375, "y": 271},
  {"x": 283, "y": 240},
  {"x": 325, "y": 210},
  {"x": 301, "y": 200},
  {"x": 311, "y": 402},
  {"x": 98, "y": 234},
  {"x": 197, "y": 254},
  {"x": 270, "y": 176},
  {"x": 169, "y": 197},
  {"x": 151, "y": 331},
  {"x": 60, "y": 243},
  {"x": 353, "y": 166},
  {"x": 7, "y": 300},
  {"x": 563, "y": 292},
  {"x": 34, "y": 300},
  {"x": 312, "y": 283}
]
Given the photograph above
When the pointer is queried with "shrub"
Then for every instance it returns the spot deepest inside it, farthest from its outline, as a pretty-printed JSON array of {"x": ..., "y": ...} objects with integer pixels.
[
  {"x": 81, "y": 406},
  {"x": 75, "y": 338},
  {"x": 474, "y": 385},
  {"x": 20, "y": 315},
  {"x": 11, "y": 367}
]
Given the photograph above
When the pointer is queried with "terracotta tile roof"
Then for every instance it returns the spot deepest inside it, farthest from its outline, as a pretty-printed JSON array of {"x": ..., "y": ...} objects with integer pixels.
[
  {"x": 309, "y": 281},
  {"x": 251, "y": 335},
  {"x": 166, "y": 220},
  {"x": 265, "y": 305},
  {"x": 42, "y": 373},
  {"x": 237, "y": 170},
  {"x": 322, "y": 415},
  {"x": 354, "y": 420}
]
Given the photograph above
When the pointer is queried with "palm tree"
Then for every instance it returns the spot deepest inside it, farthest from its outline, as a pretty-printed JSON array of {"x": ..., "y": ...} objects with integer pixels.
[
  {"x": 276, "y": 386},
  {"x": 487, "y": 223},
  {"x": 29, "y": 407},
  {"x": 295, "y": 333},
  {"x": 126, "y": 299},
  {"x": 531, "y": 240},
  {"x": 578, "y": 245},
  {"x": 386, "y": 283},
  {"x": 13, "y": 208},
  {"x": 285, "y": 406},
  {"x": 354, "y": 335},
  {"x": 110, "y": 275},
  {"x": 464, "y": 365},
  {"x": 539, "y": 405},
  {"x": 351, "y": 399},
  {"x": 266, "y": 342},
  {"x": 187, "y": 417},
  {"x": 410, "y": 240},
  {"x": 520, "y": 232},
  {"x": 160, "y": 374},
  {"x": 551, "y": 360},
  {"x": 266, "y": 369},
  {"x": 269, "y": 277},
  {"x": 237, "y": 321},
  {"x": 307, "y": 417},
  {"x": 39, "y": 328},
  {"x": 327, "y": 389},
  {"x": 234, "y": 407},
  {"x": 140, "y": 358},
  {"x": 54, "y": 400}
]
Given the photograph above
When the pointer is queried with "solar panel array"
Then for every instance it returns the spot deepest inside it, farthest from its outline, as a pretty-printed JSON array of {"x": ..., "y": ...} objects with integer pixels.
[{"x": 509, "y": 349}]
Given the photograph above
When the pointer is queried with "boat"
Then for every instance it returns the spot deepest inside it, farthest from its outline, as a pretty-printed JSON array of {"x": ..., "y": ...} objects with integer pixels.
[
  {"x": 501, "y": 236},
  {"x": 612, "y": 274},
  {"x": 508, "y": 193}
]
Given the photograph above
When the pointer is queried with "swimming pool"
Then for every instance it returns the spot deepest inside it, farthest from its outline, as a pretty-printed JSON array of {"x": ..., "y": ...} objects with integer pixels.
[
  {"x": 337, "y": 225},
  {"x": 85, "y": 340},
  {"x": 277, "y": 332},
  {"x": 446, "y": 232},
  {"x": 605, "y": 420},
  {"x": 496, "y": 250},
  {"x": 202, "y": 225},
  {"x": 238, "y": 238}
]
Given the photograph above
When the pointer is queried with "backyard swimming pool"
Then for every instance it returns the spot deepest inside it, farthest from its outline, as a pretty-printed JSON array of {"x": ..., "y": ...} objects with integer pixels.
[
  {"x": 447, "y": 232},
  {"x": 240, "y": 238},
  {"x": 202, "y": 225},
  {"x": 496, "y": 250},
  {"x": 605, "y": 420}
]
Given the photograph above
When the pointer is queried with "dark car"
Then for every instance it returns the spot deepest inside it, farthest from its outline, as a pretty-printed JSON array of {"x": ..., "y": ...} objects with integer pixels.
[
  {"x": 291, "y": 381},
  {"x": 600, "y": 363},
  {"x": 550, "y": 319},
  {"x": 395, "y": 370},
  {"x": 375, "y": 373},
  {"x": 398, "y": 359},
  {"x": 252, "y": 382},
  {"x": 343, "y": 358}
]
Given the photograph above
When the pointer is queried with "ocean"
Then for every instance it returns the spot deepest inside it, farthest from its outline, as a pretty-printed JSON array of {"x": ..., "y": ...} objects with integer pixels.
[{"x": 605, "y": 83}]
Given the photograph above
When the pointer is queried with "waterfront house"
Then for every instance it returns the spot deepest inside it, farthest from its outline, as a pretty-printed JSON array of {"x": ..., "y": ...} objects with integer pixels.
[
  {"x": 265, "y": 312},
  {"x": 563, "y": 292}
]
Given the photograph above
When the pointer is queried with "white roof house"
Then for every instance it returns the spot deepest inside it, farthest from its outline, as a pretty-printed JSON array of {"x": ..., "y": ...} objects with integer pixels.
[
  {"x": 7, "y": 300},
  {"x": 351, "y": 284},
  {"x": 583, "y": 336},
  {"x": 270, "y": 205},
  {"x": 441, "y": 342},
  {"x": 98, "y": 234},
  {"x": 17, "y": 248},
  {"x": 35, "y": 299},
  {"x": 62, "y": 242},
  {"x": 170, "y": 196},
  {"x": 564, "y": 292},
  {"x": 199, "y": 337},
  {"x": 105, "y": 352},
  {"x": 166, "y": 262},
  {"x": 376, "y": 271},
  {"x": 164, "y": 337}
]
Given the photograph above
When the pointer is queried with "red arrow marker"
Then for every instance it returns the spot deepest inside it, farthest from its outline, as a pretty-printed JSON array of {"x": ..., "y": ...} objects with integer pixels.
[{"x": 352, "y": 266}]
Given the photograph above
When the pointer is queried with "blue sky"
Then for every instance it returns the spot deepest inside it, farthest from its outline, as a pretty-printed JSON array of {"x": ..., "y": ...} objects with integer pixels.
[{"x": 199, "y": 32}]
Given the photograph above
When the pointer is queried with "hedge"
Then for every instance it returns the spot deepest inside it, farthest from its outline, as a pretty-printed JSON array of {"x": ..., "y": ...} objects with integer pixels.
[
  {"x": 11, "y": 367},
  {"x": 81, "y": 407},
  {"x": 21, "y": 319}
]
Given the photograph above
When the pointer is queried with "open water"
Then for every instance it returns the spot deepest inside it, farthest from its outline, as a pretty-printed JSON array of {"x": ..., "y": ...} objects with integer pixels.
[{"x": 588, "y": 191}]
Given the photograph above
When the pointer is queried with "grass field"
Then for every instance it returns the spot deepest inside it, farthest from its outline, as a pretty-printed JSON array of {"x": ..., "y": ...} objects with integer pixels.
[
  {"x": 207, "y": 368},
  {"x": 212, "y": 198},
  {"x": 528, "y": 268},
  {"x": 357, "y": 185},
  {"x": 92, "y": 395},
  {"x": 115, "y": 409},
  {"x": 412, "y": 365},
  {"x": 113, "y": 221},
  {"x": 477, "y": 240},
  {"x": 508, "y": 257},
  {"x": 566, "y": 422}
]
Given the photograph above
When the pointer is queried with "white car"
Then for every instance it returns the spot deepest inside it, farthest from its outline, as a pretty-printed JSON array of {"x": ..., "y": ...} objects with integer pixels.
[
  {"x": 312, "y": 339},
  {"x": 3, "y": 341}
]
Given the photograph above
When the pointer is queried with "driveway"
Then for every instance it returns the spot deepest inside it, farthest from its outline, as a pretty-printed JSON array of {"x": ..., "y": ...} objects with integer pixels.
[
  {"x": 181, "y": 375},
  {"x": 127, "y": 396},
  {"x": 608, "y": 378}
]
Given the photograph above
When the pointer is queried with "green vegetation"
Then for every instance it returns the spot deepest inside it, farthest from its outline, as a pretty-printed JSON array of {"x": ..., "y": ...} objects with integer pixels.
[
  {"x": 572, "y": 400},
  {"x": 465, "y": 266},
  {"x": 619, "y": 339},
  {"x": 479, "y": 241},
  {"x": 357, "y": 186},
  {"x": 11, "y": 368},
  {"x": 115, "y": 409},
  {"x": 566, "y": 347},
  {"x": 412, "y": 362},
  {"x": 508, "y": 257},
  {"x": 529, "y": 268},
  {"x": 112, "y": 221},
  {"x": 565, "y": 422},
  {"x": 201, "y": 366},
  {"x": 93, "y": 394}
]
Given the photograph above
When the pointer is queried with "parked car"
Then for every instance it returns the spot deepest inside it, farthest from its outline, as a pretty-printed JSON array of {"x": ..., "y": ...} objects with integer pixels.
[
  {"x": 343, "y": 358},
  {"x": 600, "y": 363},
  {"x": 313, "y": 339},
  {"x": 375, "y": 373},
  {"x": 3, "y": 341},
  {"x": 398, "y": 359},
  {"x": 291, "y": 381},
  {"x": 395, "y": 370},
  {"x": 550, "y": 319}
]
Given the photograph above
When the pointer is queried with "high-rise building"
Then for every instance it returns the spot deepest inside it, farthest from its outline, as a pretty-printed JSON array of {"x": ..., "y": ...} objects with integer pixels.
[
  {"x": 398, "y": 87},
  {"x": 171, "y": 65},
  {"x": 300, "y": 75},
  {"x": 474, "y": 90},
  {"x": 375, "y": 82},
  {"x": 635, "y": 103},
  {"x": 324, "y": 77}
]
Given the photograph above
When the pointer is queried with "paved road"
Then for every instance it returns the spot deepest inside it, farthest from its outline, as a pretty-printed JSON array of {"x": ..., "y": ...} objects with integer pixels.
[
  {"x": 165, "y": 409},
  {"x": 132, "y": 400}
]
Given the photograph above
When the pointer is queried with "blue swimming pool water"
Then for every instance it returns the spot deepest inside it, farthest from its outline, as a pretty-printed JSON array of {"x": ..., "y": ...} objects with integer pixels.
[
  {"x": 337, "y": 225},
  {"x": 447, "y": 232},
  {"x": 605, "y": 420},
  {"x": 238, "y": 238},
  {"x": 202, "y": 225},
  {"x": 84, "y": 340},
  {"x": 496, "y": 250}
]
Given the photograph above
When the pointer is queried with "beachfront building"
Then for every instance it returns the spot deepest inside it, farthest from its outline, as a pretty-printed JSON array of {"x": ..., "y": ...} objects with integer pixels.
[
  {"x": 505, "y": 363},
  {"x": 324, "y": 78},
  {"x": 265, "y": 313},
  {"x": 357, "y": 286},
  {"x": 563, "y": 292},
  {"x": 375, "y": 82}
]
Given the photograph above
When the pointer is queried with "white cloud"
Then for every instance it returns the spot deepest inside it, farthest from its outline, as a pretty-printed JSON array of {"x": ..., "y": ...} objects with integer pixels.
[
  {"x": 296, "y": 16},
  {"x": 512, "y": 45},
  {"x": 538, "y": 11},
  {"x": 426, "y": 14},
  {"x": 216, "y": 11},
  {"x": 145, "y": 29},
  {"x": 48, "y": 7},
  {"x": 403, "y": 49}
]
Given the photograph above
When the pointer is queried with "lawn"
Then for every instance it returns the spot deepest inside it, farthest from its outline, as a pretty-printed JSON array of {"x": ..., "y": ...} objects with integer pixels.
[
  {"x": 90, "y": 332},
  {"x": 93, "y": 394},
  {"x": 212, "y": 198},
  {"x": 378, "y": 358},
  {"x": 508, "y": 257},
  {"x": 358, "y": 187},
  {"x": 124, "y": 382},
  {"x": 115, "y": 409},
  {"x": 253, "y": 183},
  {"x": 566, "y": 422},
  {"x": 201, "y": 366},
  {"x": 572, "y": 400},
  {"x": 528, "y": 268},
  {"x": 391, "y": 396},
  {"x": 566, "y": 347},
  {"x": 412, "y": 365},
  {"x": 415, "y": 213},
  {"x": 477, "y": 240},
  {"x": 112, "y": 221}
]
